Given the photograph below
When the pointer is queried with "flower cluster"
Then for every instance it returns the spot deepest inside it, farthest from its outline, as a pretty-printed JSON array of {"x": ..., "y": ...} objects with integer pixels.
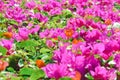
[{"x": 66, "y": 39}]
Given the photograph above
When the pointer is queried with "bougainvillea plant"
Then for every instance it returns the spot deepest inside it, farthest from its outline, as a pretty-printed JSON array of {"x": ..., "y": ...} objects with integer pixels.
[{"x": 59, "y": 39}]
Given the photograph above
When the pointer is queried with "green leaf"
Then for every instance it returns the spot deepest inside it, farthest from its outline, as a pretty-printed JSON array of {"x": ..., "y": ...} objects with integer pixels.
[
  {"x": 36, "y": 20},
  {"x": 26, "y": 71},
  {"x": 22, "y": 4},
  {"x": 3, "y": 50},
  {"x": 36, "y": 10},
  {"x": 30, "y": 48},
  {"x": 52, "y": 79},
  {"x": 46, "y": 56},
  {"x": 2, "y": 19},
  {"x": 15, "y": 78},
  {"x": 109, "y": 34},
  {"x": 67, "y": 13},
  {"x": 117, "y": 6},
  {"x": 118, "y": 73},
  {"x": 44, "y": 50},
  {"x": 96, "y": 19},
  {"x": 65, "y": 78},
  {"x": 3, "y": 26},
  {"x": 37, "y": 74},
  {"x": 97, "y": 56},
  {"x": 89, "y": 77},
  {"x": 55, "y": 18},
  {"x": 1, "y": 34},
  {"x": 44, "y": 13},
  {"x": 13, "y": 61},
  {"x": 28, "y": 43},
  {"x": 13, "y": 22},
  {"x": 10, "y": 69}
]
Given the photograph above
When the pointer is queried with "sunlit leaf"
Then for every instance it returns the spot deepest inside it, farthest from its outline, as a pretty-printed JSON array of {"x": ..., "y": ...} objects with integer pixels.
[{"x": 3, "y": 50}]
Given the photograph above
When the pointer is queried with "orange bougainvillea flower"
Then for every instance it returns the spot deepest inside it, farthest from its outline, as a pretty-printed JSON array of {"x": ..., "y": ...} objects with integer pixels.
[
  {"x": 68, "y": 32},
  {"x": 54, "y": 39},
  {"x": 76, "y": 41},
  {"x": 3, "y": 65},
  {"x": 117, "y": 30},
  {"x": 7, "y": 34},
  {"x": 108, "y": 21},
  {"x": 40, "y": 63},
  {"x": 77, "y": 76},
  {"x": 88, "y": 16}
]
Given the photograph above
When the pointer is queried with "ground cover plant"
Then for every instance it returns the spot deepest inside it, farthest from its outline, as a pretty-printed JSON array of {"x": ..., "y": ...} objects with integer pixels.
[{"x": 59, "y": 39}]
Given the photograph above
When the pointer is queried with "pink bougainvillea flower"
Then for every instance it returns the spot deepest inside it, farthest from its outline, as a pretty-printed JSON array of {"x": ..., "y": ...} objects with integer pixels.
[
  {"x": 31, "y": 4},
  {"x": 47, "y": 7},
  {"x": 57, "y": 71},
  {"x": 75, "y": 23},
  {"x": 8, "y": 44},
  {"x": 67, "y": 57},
  {"x": 91, "y": 63},
  {"x": 15, "y": 13},
  {"x": 99, "y": 48},
  {"x": 55, "y": 11},
  {"x": 35, "y": 29},
  {"x": 1, "y": 5},
  {"x": 51, "y": 4},
  {"x": 112, "y": 74},
  {"x": 93, "y": 35},
  {"x": 117, "y": 61},
  {"x": 23, "y": 34},
  {"x": 41, "y": 18},
  {"x": 110, "y": 47},
  {"x": 49, "y": 43},
  {"x": 103, "y": 74},
  {"x": 99, "y": 73},
  {"x": 44, "y": 34}
]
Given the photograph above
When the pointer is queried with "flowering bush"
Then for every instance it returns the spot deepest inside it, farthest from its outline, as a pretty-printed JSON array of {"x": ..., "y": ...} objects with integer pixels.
[{"x": 59, "y": 40}]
